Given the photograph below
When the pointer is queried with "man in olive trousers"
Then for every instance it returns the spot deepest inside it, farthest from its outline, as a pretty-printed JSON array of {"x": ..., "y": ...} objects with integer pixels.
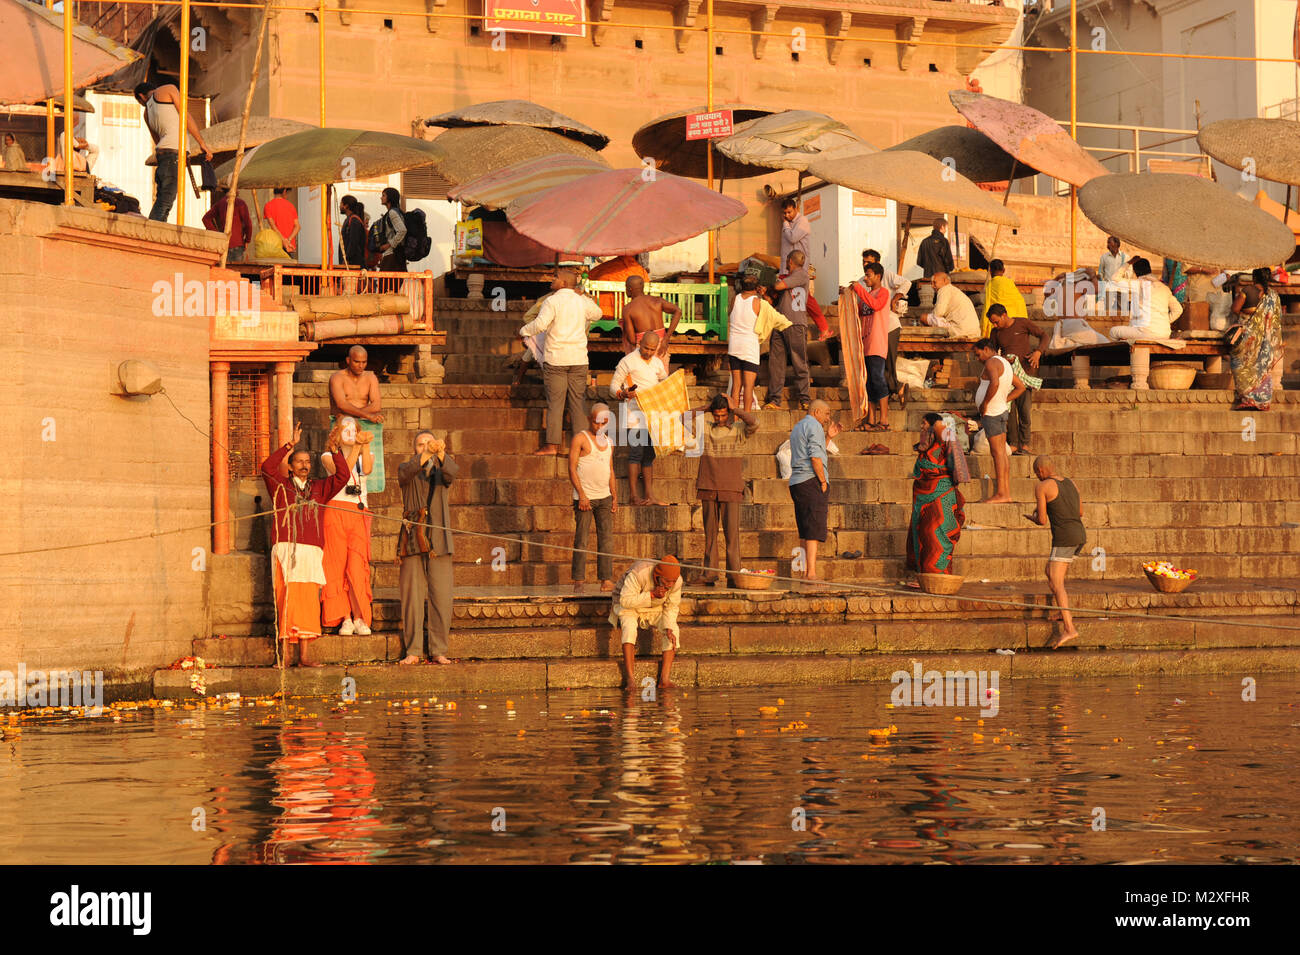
[{"x": 425, "y": 579}]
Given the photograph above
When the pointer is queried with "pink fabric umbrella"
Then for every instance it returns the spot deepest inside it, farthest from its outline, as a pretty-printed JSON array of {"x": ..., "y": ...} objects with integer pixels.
[
  {"x": 1032, "y": 137},
  {"x": 31, "y": 69},
  {"x": 622, "y": 212}
]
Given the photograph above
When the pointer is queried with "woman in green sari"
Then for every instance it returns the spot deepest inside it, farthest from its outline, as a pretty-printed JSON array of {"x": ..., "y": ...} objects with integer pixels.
[{"x": 1258, "y": 348}]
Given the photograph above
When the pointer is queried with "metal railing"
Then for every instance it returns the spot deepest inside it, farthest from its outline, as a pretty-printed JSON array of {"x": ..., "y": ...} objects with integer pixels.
[
  {"x": 1136, "y": 153},
  {"x": 313, "y": 280}
]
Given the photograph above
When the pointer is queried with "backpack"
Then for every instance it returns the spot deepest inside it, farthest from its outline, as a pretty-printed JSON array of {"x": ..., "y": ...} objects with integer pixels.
[
  {"x": 417, "y": 243},
  {"x": 375, "y": 238}
]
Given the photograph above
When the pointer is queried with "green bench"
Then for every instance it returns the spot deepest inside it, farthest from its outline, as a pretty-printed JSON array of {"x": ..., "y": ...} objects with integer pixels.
[{"x": 694, "y": 299}]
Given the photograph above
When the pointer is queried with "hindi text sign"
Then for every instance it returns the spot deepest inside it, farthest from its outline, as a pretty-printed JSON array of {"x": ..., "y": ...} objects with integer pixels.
[
  {"x": 552, "y": 17},
  {"x": 714, "y": 125}
]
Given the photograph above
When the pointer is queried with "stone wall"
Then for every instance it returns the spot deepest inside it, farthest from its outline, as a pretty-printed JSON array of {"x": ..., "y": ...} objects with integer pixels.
[
  {"x": 386, "y": 72},
  {"x": 83, "y": 465}
]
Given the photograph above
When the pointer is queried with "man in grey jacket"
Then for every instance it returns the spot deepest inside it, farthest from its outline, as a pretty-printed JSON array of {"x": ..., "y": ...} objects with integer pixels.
[{"x": 425, "y": 580}]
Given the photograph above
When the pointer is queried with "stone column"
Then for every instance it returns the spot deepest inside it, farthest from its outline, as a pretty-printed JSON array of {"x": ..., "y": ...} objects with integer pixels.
[
  {"x": 220, "y": 462},
  {"x": 262, "y": 416},
  {"x": 1081, "y": 366},
  {"x": 283, "y": 401},
  {"x": 1140, "y": 364}
]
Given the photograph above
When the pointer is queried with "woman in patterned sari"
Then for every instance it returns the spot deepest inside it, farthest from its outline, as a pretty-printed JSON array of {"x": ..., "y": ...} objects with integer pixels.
[
  {"x": 1258, "y": 348},
  {"x": 938, "y": 508}
]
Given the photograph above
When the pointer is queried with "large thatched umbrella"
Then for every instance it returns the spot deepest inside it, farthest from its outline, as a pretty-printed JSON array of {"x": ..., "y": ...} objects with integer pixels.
[
  {"x": 498, "y": 189},
  {"x": 1262, "y": 148},
  {"x": 476, "y": 151},
  {"x": 916, "y": 179},
  {"x": 1266, "y": 148},
  {"x": 973, "y": 154},
  {"x": 314, "y": 156},
  {"x": 223, "y": 138},
  {"x": 31, "y": 69},
  {"x": 520, "y": 112},
  {"x": 1186, "y": 218},
  {"x": 664, "y": 140},
  {"x": 791, "y": 140}
]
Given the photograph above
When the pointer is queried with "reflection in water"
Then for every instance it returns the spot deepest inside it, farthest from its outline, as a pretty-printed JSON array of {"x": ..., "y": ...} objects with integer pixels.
[{"x": 694, "y": 776}]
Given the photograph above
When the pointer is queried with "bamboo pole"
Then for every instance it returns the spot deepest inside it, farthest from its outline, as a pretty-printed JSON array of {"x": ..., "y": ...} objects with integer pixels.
[
  {"x": 67, "y": 103},
  {"x": 49, "y": 113},
  {"x": 243, "y": 129},
  {"x": 183, "y": 147},
  {"x": 1006, "y": 196},
  {"x": 324, "y": 189},
  {"x": 708, "y": 143},
  {"x": 1074, "y": 126}
]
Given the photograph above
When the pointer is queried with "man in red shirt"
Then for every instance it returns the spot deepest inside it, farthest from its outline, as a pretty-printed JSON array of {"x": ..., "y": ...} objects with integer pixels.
[
  {"x": 282, "y": 215},
  {"x": 873, "y": 311},
  {"x": 241, "y": 227},
  {"x": 299, "y": 540}
]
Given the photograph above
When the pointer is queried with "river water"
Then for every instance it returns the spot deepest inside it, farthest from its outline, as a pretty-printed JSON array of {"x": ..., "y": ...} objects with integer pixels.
[{"x": 1173, "y": 770}]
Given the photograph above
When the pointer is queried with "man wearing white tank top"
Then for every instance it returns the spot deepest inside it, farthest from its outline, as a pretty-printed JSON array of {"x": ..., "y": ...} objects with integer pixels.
[
  {"x": 998, "y": 387},
  {"x": 591, "y": 472},
  {"x": 162, "y": 117}
]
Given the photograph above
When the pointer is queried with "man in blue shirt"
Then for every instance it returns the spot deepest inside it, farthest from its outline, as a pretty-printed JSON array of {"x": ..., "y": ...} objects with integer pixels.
[{"x": 809, "y": 488}]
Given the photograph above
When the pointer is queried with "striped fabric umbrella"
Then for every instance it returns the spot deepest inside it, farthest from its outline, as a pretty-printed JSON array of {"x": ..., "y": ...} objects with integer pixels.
[
  {"x": 498, "y": 189},
  {"x": 31, "y": 69},
  {"x": 1032, "y": 137},
  {"x": 622, "y": 212}
]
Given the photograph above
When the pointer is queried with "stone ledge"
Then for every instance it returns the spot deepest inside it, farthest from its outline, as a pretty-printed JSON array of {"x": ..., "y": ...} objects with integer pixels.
[{"x": 714, "y": 671}]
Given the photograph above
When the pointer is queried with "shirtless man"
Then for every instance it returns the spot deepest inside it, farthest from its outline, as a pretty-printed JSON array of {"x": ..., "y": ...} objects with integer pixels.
[
  {"x": 355, "y": 391},
  {"x": 644, "y": 313}
]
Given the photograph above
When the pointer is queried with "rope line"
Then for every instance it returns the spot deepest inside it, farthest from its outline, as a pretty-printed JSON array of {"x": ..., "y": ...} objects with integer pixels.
[{"x": 849, "y": 587}]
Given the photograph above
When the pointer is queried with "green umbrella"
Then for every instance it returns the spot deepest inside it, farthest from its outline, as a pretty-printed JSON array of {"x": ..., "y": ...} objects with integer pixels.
[{"x": 316, "y": 156}]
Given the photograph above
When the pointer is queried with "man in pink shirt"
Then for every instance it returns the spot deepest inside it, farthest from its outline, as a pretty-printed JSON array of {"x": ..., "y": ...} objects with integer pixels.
[{"x": 873, "y": 312}]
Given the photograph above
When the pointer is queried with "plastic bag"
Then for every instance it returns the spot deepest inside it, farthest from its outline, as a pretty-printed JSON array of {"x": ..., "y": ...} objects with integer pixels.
[
  {"x": 267, "y": 244},
  {"x": 911, "y": 371}
]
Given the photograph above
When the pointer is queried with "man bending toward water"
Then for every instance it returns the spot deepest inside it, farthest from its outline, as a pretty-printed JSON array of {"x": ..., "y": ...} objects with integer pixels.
[{"x": 1059, "y": 507}]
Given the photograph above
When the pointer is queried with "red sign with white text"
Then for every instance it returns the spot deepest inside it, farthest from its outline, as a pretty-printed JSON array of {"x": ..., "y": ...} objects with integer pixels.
[
  {"x": 712, "y": 125},
  {"x": 552, "y": 17}
]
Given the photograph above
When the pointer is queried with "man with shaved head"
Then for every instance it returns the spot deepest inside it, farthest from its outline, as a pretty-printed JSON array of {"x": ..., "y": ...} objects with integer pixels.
[
  {"x": 354, "y": 391},
  {"x": 953, "y": 309},
  {"x": 643, "y": 314},
  {"x": 641, "y": 369},
  {"x": 1060, "y": 508},
  {"x": 809, "y": 484},
  {"x": 565, "y": 317}
]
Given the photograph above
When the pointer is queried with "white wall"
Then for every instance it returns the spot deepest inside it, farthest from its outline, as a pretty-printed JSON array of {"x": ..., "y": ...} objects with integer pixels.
[
  {"x": 841, "y": 229},
  {"x": 440, "y": 215}
]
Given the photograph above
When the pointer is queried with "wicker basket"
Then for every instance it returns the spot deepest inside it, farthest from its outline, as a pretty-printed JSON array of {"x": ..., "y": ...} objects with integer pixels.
[
  {"x": 940, "y": 583},
  {"x": 1168, "y": 585},
  {"x": 1171, "y": 376},
  {"x": 753, "y": 581}
]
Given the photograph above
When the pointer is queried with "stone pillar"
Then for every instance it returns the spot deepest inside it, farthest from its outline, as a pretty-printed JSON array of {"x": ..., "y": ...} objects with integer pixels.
[
  {"x": 283, "y": 401},
  {"x": 220, "y": 461},
  {"x": 1081, "y": 366},
  {"x": 1140, "y": 364}
]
